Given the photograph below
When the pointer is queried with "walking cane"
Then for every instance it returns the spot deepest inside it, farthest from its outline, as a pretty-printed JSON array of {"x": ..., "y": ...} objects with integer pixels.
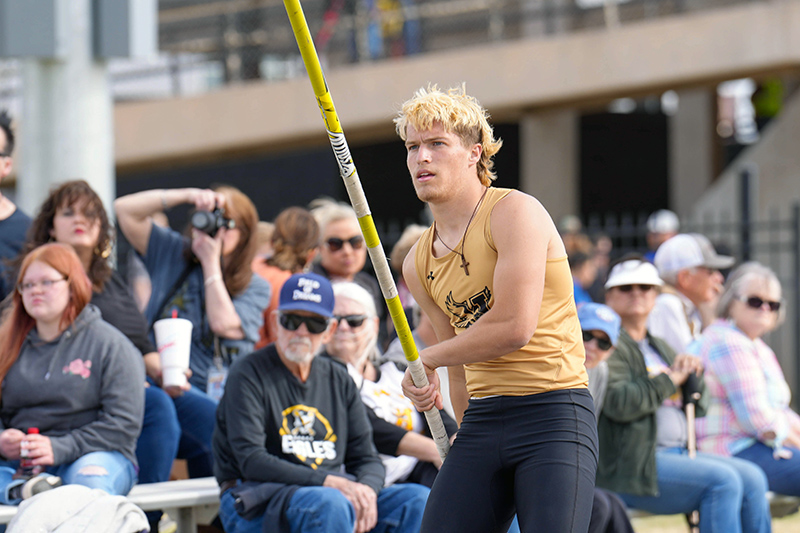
[
  {"x": 691, "y": 395},
  {"x": 347, "y": 169}
]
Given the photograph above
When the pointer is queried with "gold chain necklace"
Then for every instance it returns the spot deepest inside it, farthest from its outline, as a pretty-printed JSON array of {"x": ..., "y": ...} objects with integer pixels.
[{"x": 464, "y": 263}]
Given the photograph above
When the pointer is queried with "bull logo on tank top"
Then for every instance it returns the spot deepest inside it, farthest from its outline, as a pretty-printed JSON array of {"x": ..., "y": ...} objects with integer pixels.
[
  {"x": 470, "y": 310},
  {"x": 307, "y": 435}
]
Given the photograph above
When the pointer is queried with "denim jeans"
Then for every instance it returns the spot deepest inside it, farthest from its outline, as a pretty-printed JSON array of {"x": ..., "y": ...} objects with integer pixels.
[
  {"x": 158, "y": 443},
  {"x": 119, "y": 477},
  {"x": 326, "y": 510},
  {"x": 197, "y": 414},
  {"x": 783, "y": 475},
  {"x": 730, "y": 493}
]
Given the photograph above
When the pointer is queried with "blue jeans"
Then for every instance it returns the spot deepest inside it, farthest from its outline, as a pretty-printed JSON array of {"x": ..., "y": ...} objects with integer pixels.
[
  {"x": 119, "y": 476},
  {"x": 326, "y": 510},
  {"x": 730, "y": 493},
  {"x": 783, "y": 474},
  {"x": 158, "y": 443},
  {"x": 534, "y": 455},
  {"x": 197, "y": 414}
]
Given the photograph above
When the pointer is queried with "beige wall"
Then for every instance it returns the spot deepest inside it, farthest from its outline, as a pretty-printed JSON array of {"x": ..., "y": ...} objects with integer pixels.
[{"x": 509, "y": 78}]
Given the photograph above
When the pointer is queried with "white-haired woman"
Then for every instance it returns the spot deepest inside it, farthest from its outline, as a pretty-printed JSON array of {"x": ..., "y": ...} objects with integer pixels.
[
  {"x": 399, "y": 431},
  {"x": 643, "y": 431},
  {"x": 749, "y": 416}
]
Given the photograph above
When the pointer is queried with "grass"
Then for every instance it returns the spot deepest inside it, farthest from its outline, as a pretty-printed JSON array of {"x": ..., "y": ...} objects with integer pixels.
[{"x": 677, "y": 524}]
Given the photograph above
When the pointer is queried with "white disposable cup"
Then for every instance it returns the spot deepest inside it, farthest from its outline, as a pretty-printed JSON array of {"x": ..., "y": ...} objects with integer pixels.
[{"x": 174, "y": 342}]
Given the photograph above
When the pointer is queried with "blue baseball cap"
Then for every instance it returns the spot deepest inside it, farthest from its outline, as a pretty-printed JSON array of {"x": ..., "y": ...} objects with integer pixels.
[
  {"x": 601, "y": 317},
  {"x": 307, "y": 292}
]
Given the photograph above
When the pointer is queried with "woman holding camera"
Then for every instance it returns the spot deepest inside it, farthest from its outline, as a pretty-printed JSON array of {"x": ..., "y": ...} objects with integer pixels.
[{"x": 207, "y": 280}]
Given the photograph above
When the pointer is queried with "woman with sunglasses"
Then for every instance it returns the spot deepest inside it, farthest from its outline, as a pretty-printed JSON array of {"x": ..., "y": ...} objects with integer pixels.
[
  {"x": 749, "y": 416},
  {"x": 343, "y": 252},
  {"x": 400, "y": 432},
  {"x": 68, "y": 373},
  {"x": 643, "y": 430}
]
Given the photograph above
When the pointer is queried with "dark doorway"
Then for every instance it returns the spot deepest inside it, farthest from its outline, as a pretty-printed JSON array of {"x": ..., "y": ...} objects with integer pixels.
[{"x": 623, "y": 163}]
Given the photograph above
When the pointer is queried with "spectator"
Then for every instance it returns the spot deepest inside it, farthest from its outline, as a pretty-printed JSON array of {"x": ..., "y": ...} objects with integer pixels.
[
  {"x": 13, "y": 222},
  {"x": 67, "y": 372},
  {"x": 602, "y": 258},
  {"x": 662, "y": 225},
  {"x": 584, "y": 272},
  {"x": 73, "y": 214},
  {"x": 400, "y": 250},
  {"x": 424, "y": 336},
  {"x": 264, "y": 251},
  {"x": 749, "y": 416},
  {"x": 600, "y": 325},
  {"x": 295, "y": 243},
  {"x": 400, "y": 432},
  {"x": 690, "y": 266},
  {"x": 136, "y": 275},
  {"x": 643, "y": 432},
  {"x": 292, "y": 424},
  {"x": 343, "y": 253},
  {"x": 207, "y": 280}
]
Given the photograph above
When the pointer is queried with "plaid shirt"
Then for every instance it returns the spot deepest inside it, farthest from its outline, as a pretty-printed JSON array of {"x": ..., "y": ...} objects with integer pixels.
[{"x": 749, "y": 395}]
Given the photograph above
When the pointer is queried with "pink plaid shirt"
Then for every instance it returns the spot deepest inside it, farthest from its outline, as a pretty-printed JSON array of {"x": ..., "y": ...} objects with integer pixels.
[{"x": 749, "y": 395}]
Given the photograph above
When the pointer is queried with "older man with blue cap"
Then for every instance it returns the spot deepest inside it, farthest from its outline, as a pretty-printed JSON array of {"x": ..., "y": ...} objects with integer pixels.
[{"x": 293, "y": 446}]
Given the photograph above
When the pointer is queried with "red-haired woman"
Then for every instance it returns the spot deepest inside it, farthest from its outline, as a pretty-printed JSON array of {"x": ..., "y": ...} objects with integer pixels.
[{"x": 71, "y": 375}]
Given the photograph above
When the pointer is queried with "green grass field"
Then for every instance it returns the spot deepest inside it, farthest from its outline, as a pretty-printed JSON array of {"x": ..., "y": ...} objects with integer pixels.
[{"x": 677, "y": 524}]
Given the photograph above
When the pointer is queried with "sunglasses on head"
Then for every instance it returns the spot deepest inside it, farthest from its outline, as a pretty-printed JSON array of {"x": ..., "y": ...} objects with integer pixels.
[
  {"x": 603, "y": 344},
  {"x": 314, "y": 324},
  {"x": 354, "y": 321},
  {"x": 629, "y": 288},
  {"x": 336, "y": 244},
  {"x": 756, "y": 303}
]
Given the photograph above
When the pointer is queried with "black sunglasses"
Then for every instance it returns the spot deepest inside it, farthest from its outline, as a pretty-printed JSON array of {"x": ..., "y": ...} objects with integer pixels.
[
  {"x": 354, "y": 321},
  {"x": 755, "y": 302},
  {"x": 629, "y": 288},
  {"x": 335, "y": 243},
  {"x": 314, "y": 324},
  {"x": 603, "y": 344}
]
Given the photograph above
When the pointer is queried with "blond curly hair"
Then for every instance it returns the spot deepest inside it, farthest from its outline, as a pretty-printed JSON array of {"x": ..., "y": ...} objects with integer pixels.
[{"x": 458, "y": 113}]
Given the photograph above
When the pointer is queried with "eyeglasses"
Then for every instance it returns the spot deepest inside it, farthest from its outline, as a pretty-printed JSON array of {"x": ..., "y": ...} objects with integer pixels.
[
  {"x": 756, "y": 303},
  {"x": 603, "y": 344},
  {"x": 314, "y": 324},
  {"x": 45, "y": 284},
  {"x": 629, "y": 288},
  {"x": 354, "y": 321},
  {"x": 335, "y": 243}
]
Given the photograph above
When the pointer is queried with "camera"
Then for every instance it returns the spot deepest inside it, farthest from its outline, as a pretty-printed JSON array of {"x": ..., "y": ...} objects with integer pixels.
[{"x": 211, "y": 221}]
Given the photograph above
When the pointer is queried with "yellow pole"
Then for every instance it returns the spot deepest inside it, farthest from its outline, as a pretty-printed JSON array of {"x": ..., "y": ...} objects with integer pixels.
[{"x": 359, "y": 202}]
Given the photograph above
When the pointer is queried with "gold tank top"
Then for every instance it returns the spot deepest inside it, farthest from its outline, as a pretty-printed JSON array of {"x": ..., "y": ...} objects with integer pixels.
[{"x": 554, "y": 357}]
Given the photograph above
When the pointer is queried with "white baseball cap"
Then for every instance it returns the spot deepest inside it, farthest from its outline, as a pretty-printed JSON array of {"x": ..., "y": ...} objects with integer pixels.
[
  {"x": 663, "y": 221},
  {"x": 633, "y": 272},
  {"x": 689, "y": 250}
]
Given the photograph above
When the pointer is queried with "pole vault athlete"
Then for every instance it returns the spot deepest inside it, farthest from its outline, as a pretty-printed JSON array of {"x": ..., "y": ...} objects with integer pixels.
[{"x": 491, "y": 273}]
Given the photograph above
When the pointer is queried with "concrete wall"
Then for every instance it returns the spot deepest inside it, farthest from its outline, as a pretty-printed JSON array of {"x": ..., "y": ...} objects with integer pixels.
[{"x": 510, "y": 78}]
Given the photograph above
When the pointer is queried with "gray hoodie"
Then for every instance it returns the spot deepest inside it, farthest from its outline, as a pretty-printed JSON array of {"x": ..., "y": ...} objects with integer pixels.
[{"x": 84, "y": 389}]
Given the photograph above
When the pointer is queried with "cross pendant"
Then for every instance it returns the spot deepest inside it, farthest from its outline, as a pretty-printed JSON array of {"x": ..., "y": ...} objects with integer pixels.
[{"x": 464, "y": 265}]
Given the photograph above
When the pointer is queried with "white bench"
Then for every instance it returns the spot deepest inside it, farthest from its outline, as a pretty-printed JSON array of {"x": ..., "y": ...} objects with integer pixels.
[{"x": 187, "y": 501}]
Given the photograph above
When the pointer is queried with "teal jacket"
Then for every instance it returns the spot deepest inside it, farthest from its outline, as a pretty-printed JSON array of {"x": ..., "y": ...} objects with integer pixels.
[{"x": 627, "y": 425}]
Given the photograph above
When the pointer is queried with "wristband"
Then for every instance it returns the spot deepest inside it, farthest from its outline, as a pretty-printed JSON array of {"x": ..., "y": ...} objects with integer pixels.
[{"x": 212, "y": 279}]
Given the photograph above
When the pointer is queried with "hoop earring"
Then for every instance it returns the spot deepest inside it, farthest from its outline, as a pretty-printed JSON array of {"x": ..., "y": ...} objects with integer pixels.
[{"x": 104, "y": 253}]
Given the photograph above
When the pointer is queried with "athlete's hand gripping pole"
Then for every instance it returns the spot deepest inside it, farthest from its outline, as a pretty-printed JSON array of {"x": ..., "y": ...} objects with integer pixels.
[{"x": 359, "y": 201}]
